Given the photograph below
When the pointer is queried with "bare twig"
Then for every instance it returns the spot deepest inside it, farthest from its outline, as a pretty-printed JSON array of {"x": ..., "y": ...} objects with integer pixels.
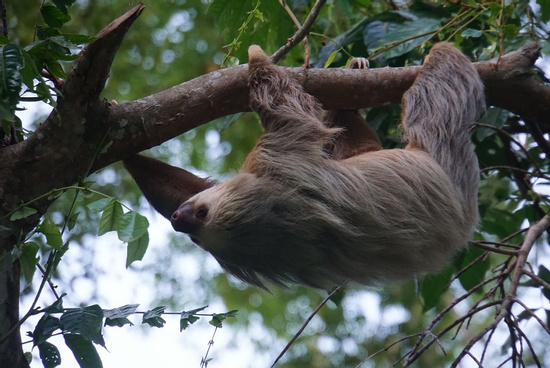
[
  {"x": 205, "y": 360},
  {"x": 428, "y": 330},
  {"x": 493, "y": 249},
  {"x": 386, "y": 349},
  {"x": 541, "y": 175},
  {"x": 517, "y": 270},
  {"x": 528, "y": 310},
  {"x": 537, "y": 279},
  {"x": 301, "y": 33},
  {"x": 298, "y": 25},
  {"x": 295, "y": 337}
]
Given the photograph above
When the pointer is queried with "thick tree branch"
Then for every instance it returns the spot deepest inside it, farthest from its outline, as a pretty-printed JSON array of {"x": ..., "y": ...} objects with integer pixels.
[
  {"x": 147, "y": 122},
  {"x": 63, "y": 148}
]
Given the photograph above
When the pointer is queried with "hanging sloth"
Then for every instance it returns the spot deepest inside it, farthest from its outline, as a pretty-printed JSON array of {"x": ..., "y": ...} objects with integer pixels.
[{"x": 318, "y": 201}]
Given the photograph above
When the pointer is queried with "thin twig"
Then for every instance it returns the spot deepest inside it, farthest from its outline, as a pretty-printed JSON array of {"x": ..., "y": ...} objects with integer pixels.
[
  {"x": 528, "y": 310},
  {"x": 301, "y": 33},
  {"x": 295, "y": 337},
  {"x": 386, "y": 349},
  {"x": 494, "y": 249},
  {"x": 298, "y": 25},
  {"x": 511, "y": 138},
  {"x": 440, "y": 316},
  {"x": 204, "y": 361},
  {"x": 535, "y": 231}
]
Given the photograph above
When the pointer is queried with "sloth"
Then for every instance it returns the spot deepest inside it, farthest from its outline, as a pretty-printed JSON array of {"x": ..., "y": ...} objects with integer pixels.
[{"x": 319, "y": 202}]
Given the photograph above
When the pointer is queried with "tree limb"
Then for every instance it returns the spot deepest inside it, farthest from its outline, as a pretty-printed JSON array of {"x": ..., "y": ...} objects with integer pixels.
[
  {"x": 63, "y": 148},
  {"x": 147, "y": 122}
]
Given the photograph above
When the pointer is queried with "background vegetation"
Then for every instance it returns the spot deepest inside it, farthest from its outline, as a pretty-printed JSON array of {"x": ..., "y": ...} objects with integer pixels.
[{"x": 176, "y": 40}]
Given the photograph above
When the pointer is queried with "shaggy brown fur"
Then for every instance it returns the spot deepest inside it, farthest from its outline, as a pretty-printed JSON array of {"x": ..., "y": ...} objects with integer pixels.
[{"x": 319, "y": 204}]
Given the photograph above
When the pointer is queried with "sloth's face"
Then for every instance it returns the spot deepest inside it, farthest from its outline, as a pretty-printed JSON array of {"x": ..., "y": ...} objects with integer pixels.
[{"x": 212, "y": 217}]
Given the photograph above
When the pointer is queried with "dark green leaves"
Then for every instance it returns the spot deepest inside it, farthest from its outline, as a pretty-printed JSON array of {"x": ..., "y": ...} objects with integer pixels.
[
  {"x": 153, "y": 317},
  {"x": 22, "y": 212},
  {"x": 112, "y": 212},
  {"x": 53, "y": 16},
  {"x": 137, "y": 248},
  {"x": 118, "y": 316},
  {"x": 187, "y": 318},
  {"x": 11, "y": 62},
  {"x": 84, "y": 351},
  {"x": 49, "y": 354},
  {"x": 246, "y": 22},
  {"x": 86, "y": 322},
  {"x": 52, "y": 233},
  {"x": 217, "y": 319},
  {"x": 28, "y": 260},
  {"x": 131, "y": 227}
]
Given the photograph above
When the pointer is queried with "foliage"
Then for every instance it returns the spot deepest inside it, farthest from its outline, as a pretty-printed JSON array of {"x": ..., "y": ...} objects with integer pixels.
[
  {"x": 82, "y": 328},
  {"x": 177, "y": 42}
]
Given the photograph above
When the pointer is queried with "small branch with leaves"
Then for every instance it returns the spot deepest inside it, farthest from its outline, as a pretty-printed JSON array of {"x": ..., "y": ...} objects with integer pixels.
[
  {"x": 505, "y": 284},
  {"x": 82, "y": 327}
]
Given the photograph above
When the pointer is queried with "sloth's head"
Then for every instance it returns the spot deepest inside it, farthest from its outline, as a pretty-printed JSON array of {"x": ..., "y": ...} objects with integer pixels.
[
  {"x": 242, "y": 210},
  {"x": 256, "y": 230}
]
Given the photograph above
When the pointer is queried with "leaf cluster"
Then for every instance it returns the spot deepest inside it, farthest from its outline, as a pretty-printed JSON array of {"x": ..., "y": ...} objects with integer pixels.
[
  {"x": 25, "y": 70},
  {"x": 81, "y": 328}
]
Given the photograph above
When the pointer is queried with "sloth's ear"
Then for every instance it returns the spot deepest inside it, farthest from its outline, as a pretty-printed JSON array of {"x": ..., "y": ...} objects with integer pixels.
[{"x": 164, "y": 186}]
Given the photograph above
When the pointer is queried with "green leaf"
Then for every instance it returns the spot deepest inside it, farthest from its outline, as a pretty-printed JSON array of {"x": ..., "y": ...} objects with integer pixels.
[
  {"x": 71, "y": 220},
  {"x": 7, "y": 113},
  {"x": 117, "y": 316},
  {"x": 153, "y": 317},
  {"x": 432, "y": 287},
  {"x": 22, "y": 212},
  {"x": 349, "y": 36},
  {"x": 30, "y": 73},
  {"x": 401, "y": 36},
  {"x": 55, "y": 68},
  {"x": 11, "y": 61},
  {"x": 53, "y": 16},
  {"x": 86, "y": 322},
  {"x": 49, "y": 354},
  {"x": 57, "y": 306},
  {"x": 544, "y": 274},
  {"x": 78, "y": 39},
  {"x": 189, "y": 317},
  {"x": 44, "y": 32},
  {"x": 44, "y": 329},
  {"x": 52, "y": 233},
  {"x": 470, "y": 32},
  {"x": 331, "y": 58},
  {"x": 131, "y": 226},
  {"x": 269, "y": 25},
  {"x": 475, "y": 274},
  {"x": 84, "y": 351},
  {"x": 136, "y": 249},
  {"x": 63, "y": 4},
  {"x": 28, "y": 260},
  {"x": 544, "y": 10},
  {"x": 98, "y": 205},
  {"x": 217, "y": 319},
  {"x": 109, "y": 219}
]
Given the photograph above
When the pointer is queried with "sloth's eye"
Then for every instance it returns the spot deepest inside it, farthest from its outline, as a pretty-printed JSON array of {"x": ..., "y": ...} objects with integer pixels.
[{"x": 201, "y": 212}]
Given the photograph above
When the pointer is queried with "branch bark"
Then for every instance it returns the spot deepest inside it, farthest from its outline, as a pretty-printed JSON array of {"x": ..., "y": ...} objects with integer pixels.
[{"x": 147, "y": 122}]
